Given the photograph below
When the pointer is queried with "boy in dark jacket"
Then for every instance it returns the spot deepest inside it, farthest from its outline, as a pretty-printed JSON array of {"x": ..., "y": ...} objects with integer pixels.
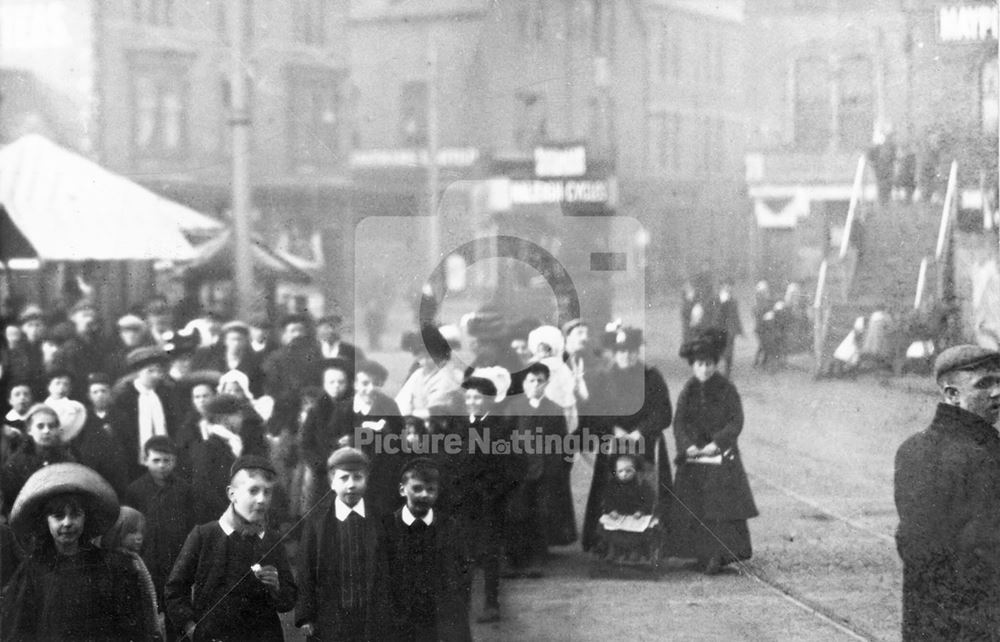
[
  {"x": 232, "y": 577},
  {"x": 425, "y": 568},
  {"x": 339, "y": 559},
  {"x": 168, "y": 503}
]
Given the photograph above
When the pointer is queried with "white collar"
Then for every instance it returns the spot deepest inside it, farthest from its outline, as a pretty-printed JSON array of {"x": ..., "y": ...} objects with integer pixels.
[
  {"x": 344, "y": 511},
  {"x": 227, "y": 526},
  {"x": 534, "y": 403},
  {"x": 361, "y": 407},
  {"x": 472, "y": 418},
  {"x": 409, "y": 518},
  {"x": 13, "y": 416}
]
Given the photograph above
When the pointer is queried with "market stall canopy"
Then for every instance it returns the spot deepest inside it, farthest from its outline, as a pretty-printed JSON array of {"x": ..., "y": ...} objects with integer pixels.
[
  {"x": 68, "y": 208},
  {"x": 215, "y": 260}
]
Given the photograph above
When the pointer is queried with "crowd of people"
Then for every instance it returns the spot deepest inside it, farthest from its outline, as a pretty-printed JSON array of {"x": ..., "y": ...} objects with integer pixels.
[{"x": 229, "y": 471}]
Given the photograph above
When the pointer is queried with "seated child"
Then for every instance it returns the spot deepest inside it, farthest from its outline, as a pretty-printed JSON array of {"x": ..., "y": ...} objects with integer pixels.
[
  {"x": 627, "y": 494},
  {"x": 168, "y": 504},
  {"x": 425, "y": 566},
  {"x": 232, "y": 577},
  {"x": 339, "y": 557}
]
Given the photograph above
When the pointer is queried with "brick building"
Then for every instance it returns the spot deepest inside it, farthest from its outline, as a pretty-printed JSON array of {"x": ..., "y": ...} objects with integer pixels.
[
  {"x": 826, "y": 79},
  {"x": 142, "y": 87}
]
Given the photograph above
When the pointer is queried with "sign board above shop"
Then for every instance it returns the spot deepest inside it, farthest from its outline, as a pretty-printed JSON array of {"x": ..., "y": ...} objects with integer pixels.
[
  {"x": 967, "y": 22},
  {"x": 560, "y": 162},
  {"x": 412, "y": 157}
]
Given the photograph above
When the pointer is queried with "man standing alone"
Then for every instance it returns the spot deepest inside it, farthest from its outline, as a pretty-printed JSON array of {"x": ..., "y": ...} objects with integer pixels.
[{"x": 947, "y": 490}]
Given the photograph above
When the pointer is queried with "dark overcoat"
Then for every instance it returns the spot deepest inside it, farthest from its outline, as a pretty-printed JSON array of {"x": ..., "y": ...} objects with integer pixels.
[
  {"x": 635, "y": 398},
  {"x": 319, "y": 572},
  {"x": 384, "y": 453},
  {"x": 712, "y": 412},
  {"x": 947, "y": 491},
  {"x": 199, "y": 591},
  {"x": 448, "y": 566},
  {"x": 550, "y": 471},
  {"x": 126, "y": 407}
]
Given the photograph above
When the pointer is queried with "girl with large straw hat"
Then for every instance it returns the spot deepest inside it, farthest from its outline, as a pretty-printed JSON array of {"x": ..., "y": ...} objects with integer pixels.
[{"x": 67, "y": 588}]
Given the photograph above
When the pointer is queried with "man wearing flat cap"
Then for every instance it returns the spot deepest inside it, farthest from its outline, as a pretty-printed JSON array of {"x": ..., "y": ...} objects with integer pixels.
[
  {"x": 84, "y": 352},
  {"x": 947, "y": 490}
]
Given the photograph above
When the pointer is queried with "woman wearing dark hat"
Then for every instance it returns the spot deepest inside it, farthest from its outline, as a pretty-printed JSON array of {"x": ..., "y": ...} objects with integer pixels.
[
  {"x": 713, "y": 494},
  {"x": 68, "y": 589},
  {"x": 634, "y": 407}
]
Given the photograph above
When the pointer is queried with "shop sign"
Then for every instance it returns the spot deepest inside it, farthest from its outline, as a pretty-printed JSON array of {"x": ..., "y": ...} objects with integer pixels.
[
  {"x": 411, "y": 157},
  {"x": 539, "y": 192},
  {"x": 560, "y": 162},
  {"x": 967, "y": 22}
]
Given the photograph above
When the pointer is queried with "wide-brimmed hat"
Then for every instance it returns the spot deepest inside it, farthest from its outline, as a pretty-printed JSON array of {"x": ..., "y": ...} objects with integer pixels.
[
  {"x": 706, "y": 343},
  {"x": 98, "y": 498},
  {"x": 144, "y": 356},
  {"x": 548, "y": 335}
]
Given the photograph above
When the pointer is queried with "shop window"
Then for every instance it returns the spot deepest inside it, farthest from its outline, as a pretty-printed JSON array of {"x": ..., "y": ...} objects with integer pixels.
[
  {"x": 315, "y": 110},
  {"x": 812, "y": 104},
  {"x": 413, "y": 114},
  {"x": 856, "y": 109},
  {"x": 153, "y": 12},
  {"x": 160, "y": 106},
  {"x": 309, "y": 21},
  {"x": 990, "y": 100}
]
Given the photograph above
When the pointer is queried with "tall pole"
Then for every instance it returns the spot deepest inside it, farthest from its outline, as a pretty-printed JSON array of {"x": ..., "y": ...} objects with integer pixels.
[
  {"x": 239, "y": 121},
  {"x": 433, "y": 175}
]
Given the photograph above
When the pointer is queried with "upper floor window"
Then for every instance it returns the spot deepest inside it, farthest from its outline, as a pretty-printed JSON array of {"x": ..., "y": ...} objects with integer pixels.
[
  {"x": 316, "y": 111},
  {"x": 153, "y": 12},
  {"x": 856, "y": 106},
  {"x": 812, "y": 104},
  {"x": 309, "y": 21},
  {"x": 532, "y": 122},
  {"x": 160, "y": 106},
  {"x": 413, "y": 114},
  {"x": 990, "y": 102}
]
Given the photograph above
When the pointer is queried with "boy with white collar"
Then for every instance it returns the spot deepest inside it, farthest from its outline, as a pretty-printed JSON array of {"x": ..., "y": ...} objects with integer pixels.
[
  {"x": 425, "y": 579},
  {"x": 232, "y": 577},
  {"x": 339, "y": 559}
]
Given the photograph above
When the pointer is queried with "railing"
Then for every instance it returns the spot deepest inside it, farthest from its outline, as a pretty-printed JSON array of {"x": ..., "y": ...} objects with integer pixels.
[
  {"x": 947, "y": 209},
  {"x": 821, "y": 315}
]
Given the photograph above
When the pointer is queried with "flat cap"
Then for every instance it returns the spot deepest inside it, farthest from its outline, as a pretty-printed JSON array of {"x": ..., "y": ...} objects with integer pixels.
[
  {"x": 131, "y": 321},
  {"x": 144, "y": 356},
  {"x": 31, "y": 312},
  {"x": 252, "y": 462},
  {"x": 82, "y": 305},
  {"x": 965, "y": 357},
  {"x": 347, "y": 458},
  {"x": 236, "y": 326}
]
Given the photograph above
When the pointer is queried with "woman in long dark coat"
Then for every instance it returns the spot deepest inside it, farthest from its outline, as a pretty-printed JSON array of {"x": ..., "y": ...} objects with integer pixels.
[
  {"x": 635, "y": 403},
  {"x": 713, "y": 494}
]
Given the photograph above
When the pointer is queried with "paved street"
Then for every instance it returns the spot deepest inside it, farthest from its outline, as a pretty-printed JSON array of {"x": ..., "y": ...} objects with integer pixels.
[
  {"x": 819, "y": 455},
  {"x": 820, "y": 459}
]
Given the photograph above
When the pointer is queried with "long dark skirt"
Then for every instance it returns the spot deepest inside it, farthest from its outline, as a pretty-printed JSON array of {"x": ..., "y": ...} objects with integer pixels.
[
  {"x": 555, "y": 505},
  {"x": 702, "y": 540}
]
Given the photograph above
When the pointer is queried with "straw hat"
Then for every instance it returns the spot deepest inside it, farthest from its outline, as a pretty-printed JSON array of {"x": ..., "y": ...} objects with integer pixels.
[{"x": 99, "y": 500}]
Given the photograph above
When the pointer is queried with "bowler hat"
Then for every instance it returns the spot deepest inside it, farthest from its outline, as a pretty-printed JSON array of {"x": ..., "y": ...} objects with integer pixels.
[
  {"x": 99, "y": 500},
  {"x": 347, "y": 458},
  {"x": 965, "y": 357},
  {"x": 146, "y": 355}
]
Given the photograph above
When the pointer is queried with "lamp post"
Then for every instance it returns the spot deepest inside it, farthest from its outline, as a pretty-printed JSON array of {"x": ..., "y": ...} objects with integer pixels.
[{"x": 239, "y": 122}]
